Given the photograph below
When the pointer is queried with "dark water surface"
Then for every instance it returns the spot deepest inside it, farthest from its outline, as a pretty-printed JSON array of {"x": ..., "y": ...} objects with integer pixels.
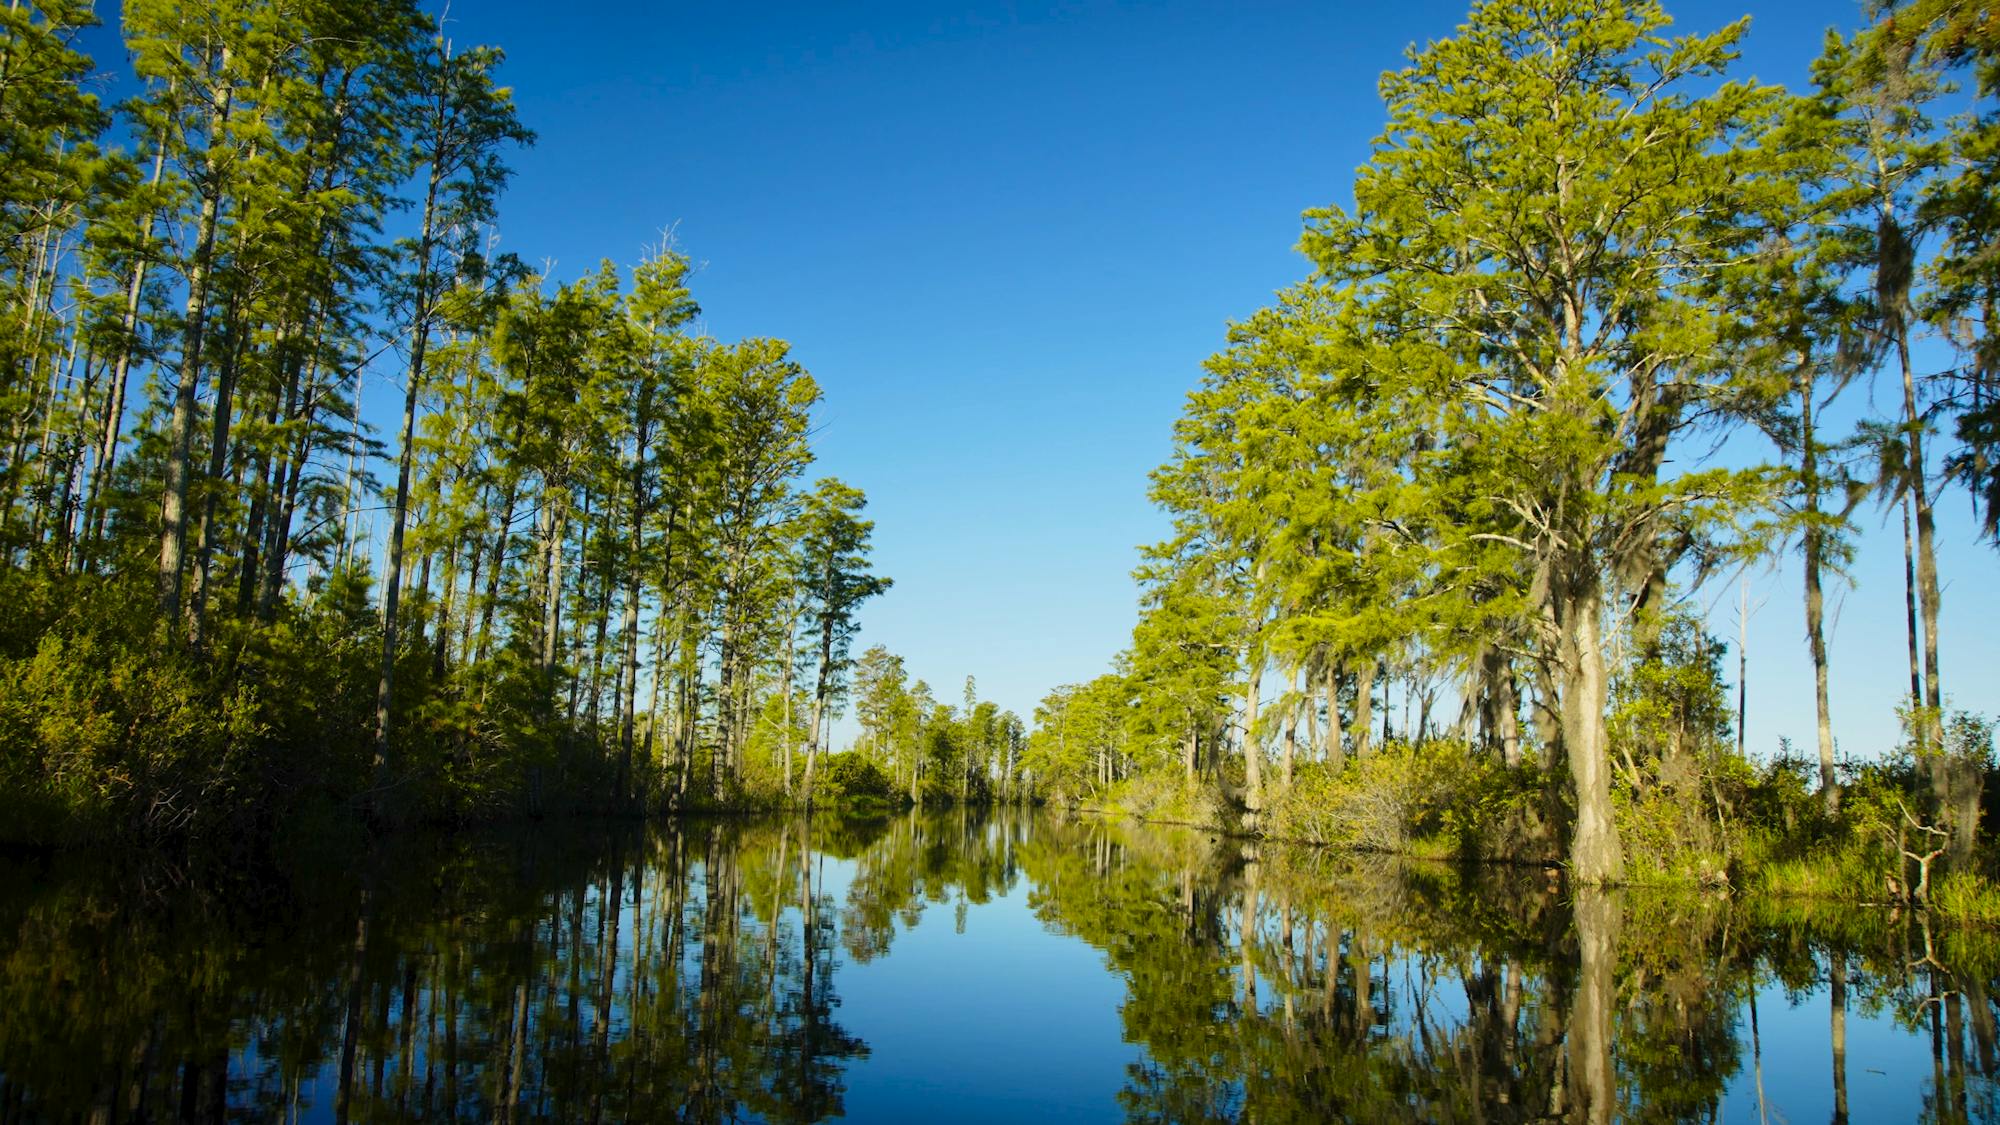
[{"x": 963, "y": 967}]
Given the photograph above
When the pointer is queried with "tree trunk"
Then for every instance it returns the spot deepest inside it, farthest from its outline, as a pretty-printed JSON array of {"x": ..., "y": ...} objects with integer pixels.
[
  {"x": 218, "y": 461},
  {"x": 1919, "y": 731},
  {"x": 785, "y": 685},
  {"x": 1918, "y": 486},
  {"x": 121, "y": 368},
  {"x": 496, "y": 566},
  {"x": 1815, "y": 551},
  {"x": 180, "y": 431},
  {"x": 628, "y": 672},
  {"x": 1335, "y": 755},
  {"x": 1595, "y": 854},
  {"x": 821, "y": 689},
  {"x": 1364, "y": 706},
  {"x": 1193, "y": 750},
  {"x": 552, "y": 589},
  {"x": 1507, "y": 709},
  {"x": 1253, "y": 751},
  {"x": 301, "y": 404},
  {"x": 1287, "y": 762},
  {"x": 392, "y": 582}
]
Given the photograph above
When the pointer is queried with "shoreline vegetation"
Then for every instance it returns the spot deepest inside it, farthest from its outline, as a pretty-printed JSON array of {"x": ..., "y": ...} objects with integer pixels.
[
  {"x": 1594, "y": 332},
  {"x": 580, "y": 572}
]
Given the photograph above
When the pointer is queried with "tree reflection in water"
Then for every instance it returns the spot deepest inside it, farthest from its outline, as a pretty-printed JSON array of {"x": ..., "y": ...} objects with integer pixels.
[{"x": 690, "y": 972}]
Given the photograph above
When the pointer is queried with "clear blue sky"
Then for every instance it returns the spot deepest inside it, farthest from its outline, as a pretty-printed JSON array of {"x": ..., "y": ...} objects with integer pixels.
[{"x": 1004, "y": 236}]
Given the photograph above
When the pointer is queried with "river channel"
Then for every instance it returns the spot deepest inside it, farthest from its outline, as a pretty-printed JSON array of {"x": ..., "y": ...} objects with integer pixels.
[{"x": 964, "y": 965}]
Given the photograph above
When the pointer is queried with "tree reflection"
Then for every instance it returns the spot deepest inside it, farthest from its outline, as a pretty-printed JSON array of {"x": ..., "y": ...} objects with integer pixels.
[
  {"x": 1269, "y": 985},
  {"x": 690, "y": 973},
  {"x": 688, "y": 976}
]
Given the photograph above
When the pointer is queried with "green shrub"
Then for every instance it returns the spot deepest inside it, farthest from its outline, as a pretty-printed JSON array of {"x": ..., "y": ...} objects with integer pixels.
[
  {"x": 1169, "y": 798},
  {"x": 1450, "y": 795},
  {"x": 851, "y": 777}
]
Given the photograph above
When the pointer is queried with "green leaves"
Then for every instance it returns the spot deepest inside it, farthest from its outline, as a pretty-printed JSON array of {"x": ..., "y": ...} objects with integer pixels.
[{"x": 251, "y": 258}]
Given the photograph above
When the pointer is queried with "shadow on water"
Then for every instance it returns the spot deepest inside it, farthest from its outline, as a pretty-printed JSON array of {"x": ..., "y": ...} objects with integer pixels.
[{"x": 693, "y": 972}]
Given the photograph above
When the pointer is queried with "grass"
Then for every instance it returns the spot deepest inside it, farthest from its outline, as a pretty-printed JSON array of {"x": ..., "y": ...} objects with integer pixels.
[{"x": 1968, "y": 897}]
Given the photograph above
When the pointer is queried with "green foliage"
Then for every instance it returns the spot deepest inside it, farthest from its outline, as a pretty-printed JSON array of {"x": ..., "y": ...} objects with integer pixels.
[
  {"x": 1470, "y": 457},
  {"x": 1670, "y": 711},
  {"x": 99, "y": 733},
  {"x": 1442, "y": 795},
  {"x": 852, "y": 778},
  {"x": 593, "y": 541}
]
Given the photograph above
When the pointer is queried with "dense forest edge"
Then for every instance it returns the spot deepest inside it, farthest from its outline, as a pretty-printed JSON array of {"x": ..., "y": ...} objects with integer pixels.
[
  {"x": 583, "y": 573},
  {"x": 1569, "y": 356}
]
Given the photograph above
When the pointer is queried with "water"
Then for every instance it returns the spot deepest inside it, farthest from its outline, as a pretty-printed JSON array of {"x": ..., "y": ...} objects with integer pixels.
[{"x": 1006, "y": 967}]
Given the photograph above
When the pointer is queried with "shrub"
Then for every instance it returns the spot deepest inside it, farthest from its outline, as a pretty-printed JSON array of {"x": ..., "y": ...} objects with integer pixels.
[
  {"x": 1443, "y": 792},
  {"x": 851, "y": 777}
]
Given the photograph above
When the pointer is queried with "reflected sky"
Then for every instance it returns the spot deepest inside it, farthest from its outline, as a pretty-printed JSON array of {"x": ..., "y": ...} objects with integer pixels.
[{"x": 1002, "y": 967}]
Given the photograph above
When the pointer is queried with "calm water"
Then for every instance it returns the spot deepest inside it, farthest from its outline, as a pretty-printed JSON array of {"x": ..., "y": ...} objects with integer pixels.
[{"x": 961, "y": 967}]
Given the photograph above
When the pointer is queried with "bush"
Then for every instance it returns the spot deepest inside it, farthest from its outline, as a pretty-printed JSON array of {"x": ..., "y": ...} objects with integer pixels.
[
  {"x": 100, "y": 735},
  {"x": 850, "y": 777},
  {"x": 1170, "y": 798},
  {"x": 1448, "y": 795}
]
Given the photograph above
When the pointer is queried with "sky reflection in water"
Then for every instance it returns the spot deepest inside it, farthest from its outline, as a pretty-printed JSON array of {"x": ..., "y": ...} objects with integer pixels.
[{"x": 996, "y": 968}]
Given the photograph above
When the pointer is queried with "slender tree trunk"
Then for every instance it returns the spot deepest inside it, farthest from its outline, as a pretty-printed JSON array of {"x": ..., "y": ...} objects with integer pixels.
[
  {"x": 1364, "y": 706},
  {"x": 344, "y": 554},
  {"x": 1837, "y": 1005},
  {"x": 628, "y": 672},
  {"x": 1815, "y": 550},
  {"x": 264, "y": 472},
  {"x": 603, "y": 615},
  {"x": 218, "y": 460},
  {"x": 180, "y": 432},
  {"x": 822, "y": 689},
  {"x": 1743, "y": 666},
  {"x": 1335, "y": 755},
  {"x": 449, "y": 608},
  {"x": 1507, "y": 709},
  {"x": 1919, "y": 495},
  {"x": 392, "y": 582},
  {"x": 1286, "y": 763},
  {"x": 1253, "y": 750},
  {"x": 301, "y": 405},
  {"x": 496, "y": 565},
  {"x": 475, "y": 559},
  {"x": 552, "y": 587},
  {"x": 661, "y": 628},
  {"x": 1919, "y": 730},
  {"x": 576, "y": 627},
  {"x": 121, "y": 369}
]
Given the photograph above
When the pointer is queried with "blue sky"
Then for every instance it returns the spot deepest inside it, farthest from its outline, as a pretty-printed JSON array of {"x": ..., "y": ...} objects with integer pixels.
[{"x": 1003, "y": 237}]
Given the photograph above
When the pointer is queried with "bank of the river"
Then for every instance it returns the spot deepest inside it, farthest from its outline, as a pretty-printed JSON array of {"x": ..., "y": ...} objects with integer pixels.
[{"x": 1847, "y": 861}]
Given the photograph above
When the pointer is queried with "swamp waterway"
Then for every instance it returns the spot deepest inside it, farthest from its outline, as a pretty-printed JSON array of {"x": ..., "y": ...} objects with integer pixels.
[{"x": 962, "y": 965}]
